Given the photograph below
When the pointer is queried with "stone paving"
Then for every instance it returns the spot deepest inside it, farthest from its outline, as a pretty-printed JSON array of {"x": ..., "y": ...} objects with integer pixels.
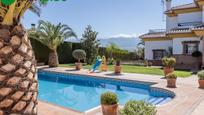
[{"x": 189, "y": 99}]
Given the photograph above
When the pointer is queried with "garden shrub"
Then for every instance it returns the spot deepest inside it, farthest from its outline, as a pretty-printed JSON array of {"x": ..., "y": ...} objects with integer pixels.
[
  {"x": 168, "y": 62},
  {"x": 171, "y": 76},
  {"x": 201, "y": 75},
  {"x": 79, "y": 54},
  {"x": 109, "y": 98},
  {"x": 197, "y": 54},
  {"x": 133, "y": 107}
]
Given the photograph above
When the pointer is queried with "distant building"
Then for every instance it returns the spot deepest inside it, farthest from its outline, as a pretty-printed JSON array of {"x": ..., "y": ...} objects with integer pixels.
[{"x": 183, "y": 36}]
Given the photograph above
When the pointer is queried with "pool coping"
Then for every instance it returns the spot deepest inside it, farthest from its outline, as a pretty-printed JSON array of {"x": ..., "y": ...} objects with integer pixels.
[
  {"x": 188, "y": 105},
  {"x": 150, "y": 84}
]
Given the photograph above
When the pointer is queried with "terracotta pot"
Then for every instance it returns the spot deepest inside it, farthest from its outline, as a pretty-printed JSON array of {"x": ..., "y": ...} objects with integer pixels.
[
  {"x": 110, "y": 109},
  {"x": 201, "y": 84},
  {"x": 171, "y": 83},
  {"x": 117, "y": 69},
  {"x": 168, "y": 70},
  {"x": 78, "y": 66}
]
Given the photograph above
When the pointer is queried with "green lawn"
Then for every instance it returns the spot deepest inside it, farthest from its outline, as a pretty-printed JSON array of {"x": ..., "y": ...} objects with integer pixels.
[{"x": 137, "y": 69}]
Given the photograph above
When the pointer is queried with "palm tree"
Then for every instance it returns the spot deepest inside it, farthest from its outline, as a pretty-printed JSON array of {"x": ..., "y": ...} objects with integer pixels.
[
  {"x": 52, "y": 36},
  {"x": 111, "y": 48},
  {"x": 18, "y": 83},
  {"x": 141, "y": 43}
]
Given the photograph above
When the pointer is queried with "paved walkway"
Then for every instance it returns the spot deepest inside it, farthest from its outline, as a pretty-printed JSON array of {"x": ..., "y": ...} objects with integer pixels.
[{"x": 187, "y": 101}]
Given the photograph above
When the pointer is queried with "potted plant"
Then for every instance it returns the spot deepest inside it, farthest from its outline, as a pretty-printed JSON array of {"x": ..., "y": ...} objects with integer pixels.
[
  {"x": 133, "y": 107},
  {"x": 79, "y": 55},
  {"x": 117, "y": 67},
  {"x": 109, "y": 103},
  {"x": 171, "y": 80},
  {"x": 168, "y": 64},
  {"x": 201, "y": 79}
]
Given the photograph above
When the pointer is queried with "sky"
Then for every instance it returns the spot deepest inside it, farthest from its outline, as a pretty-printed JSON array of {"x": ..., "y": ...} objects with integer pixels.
[{"x": 110, "y": 18}]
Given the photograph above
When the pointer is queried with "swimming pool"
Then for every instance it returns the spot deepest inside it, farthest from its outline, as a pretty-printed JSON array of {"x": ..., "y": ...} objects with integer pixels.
[{"x": 81, "y": 93}]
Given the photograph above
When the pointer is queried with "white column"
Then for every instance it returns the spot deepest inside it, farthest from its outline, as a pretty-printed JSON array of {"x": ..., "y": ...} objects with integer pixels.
[{"x": 202, "y": 51}]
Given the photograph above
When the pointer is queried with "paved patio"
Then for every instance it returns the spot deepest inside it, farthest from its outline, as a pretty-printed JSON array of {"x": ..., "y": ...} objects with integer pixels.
[{"x": 189, "y": 98}]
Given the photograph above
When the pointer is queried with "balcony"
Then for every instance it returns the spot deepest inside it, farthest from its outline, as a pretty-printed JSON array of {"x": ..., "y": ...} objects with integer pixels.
[{"x": 157, "y": 31}]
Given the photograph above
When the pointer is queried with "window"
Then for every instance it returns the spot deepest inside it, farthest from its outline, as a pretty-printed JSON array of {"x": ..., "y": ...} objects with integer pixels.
[
  {"x": 190, "y": 46},
  {"x": 158, "y": 54}
]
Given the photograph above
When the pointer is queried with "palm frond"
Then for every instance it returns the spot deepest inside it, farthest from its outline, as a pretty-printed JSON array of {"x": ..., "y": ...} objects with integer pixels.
[
  {"x": 12, "y": 14},
  {"x": 51, "y": 35},
  {"x": 35, "y": 9}
]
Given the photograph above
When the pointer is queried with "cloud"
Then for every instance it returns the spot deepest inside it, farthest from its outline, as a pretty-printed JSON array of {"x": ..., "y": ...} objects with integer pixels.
[{"x": 125, "y": 36}]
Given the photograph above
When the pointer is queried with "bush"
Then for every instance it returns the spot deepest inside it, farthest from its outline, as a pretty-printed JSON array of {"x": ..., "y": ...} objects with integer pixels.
[
  {"x": 150, "y": 64},
  {"x": 109, "y": 98},
  {"x": 111, "y": 61},
  {"x": 171, "y": 76},
  {"x": 197, "y": 54},
  {"x": 201, "y": 75},
  {"x": 168, "y": 62},
  {"x": 138, "y": 108},
  {"x": 79, "y": 54}
]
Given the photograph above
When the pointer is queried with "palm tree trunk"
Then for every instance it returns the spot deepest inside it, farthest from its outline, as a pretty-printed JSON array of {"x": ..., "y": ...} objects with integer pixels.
[
  {"x": 18, "y": 82},
  {"x": 53, "y": 59}
]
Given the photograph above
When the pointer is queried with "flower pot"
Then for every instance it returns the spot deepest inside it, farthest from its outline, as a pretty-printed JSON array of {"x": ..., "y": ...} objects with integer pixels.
[
  {"x": 201, "y": 84},
  {"x": 171, "y": 83},
  {"x": 78, "y": 66},
  {"x": 168, "y": 70},
  {"x": 117, "y": 69},
  {"x": 110, "y": 109}
]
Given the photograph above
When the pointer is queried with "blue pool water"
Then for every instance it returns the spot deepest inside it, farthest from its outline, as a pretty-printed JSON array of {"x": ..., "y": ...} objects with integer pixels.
[{"x": 82, "y": 93}]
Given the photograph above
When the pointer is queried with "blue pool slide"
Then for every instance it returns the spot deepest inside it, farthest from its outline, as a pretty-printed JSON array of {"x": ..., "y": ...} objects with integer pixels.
[{"x": 96, "y": 65}]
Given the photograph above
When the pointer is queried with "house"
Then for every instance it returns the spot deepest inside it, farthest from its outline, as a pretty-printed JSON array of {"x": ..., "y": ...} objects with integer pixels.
[{"x": 183, "y": 36}]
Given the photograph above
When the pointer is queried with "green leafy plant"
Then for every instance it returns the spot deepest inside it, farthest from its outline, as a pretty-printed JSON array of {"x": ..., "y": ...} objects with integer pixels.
[
  {"x": 168, "y": 62},
  {"x": 79, "y": 54},
  {"x": 111, "y": 61},
  {"x": 201, "y": 75},
  {"x": 109, "y": 98},
  {"x": 197, "y": 54},
  {"x": 133, "y": 107},
  {"x": 171, "y": 76}
]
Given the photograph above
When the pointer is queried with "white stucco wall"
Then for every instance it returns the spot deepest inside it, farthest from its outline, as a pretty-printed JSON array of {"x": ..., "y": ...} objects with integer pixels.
[
  {"x": 203, "y": 15},
  {"x": 178, "y": 46},
  {"x": 190, "y": 17},
  {"x": 152, "y": 45},
  {"x": 171, "y": 22}
]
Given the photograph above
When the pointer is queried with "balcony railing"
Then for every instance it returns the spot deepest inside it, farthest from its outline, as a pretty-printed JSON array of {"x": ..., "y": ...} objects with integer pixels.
[{"x": 157, "y": 30}]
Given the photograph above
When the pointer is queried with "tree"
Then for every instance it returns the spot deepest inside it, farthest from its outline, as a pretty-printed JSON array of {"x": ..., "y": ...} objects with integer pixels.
[
  {"x": 111, "y": 48},
  {"x": 90, "y": 44},
  {"x": 140, "y": 50},
  {"x": 18, "y": 89},
  {"x": 140, "y": 53},
  {"x": 141, "y": 44},
  {"x": 52, "y": 36}
]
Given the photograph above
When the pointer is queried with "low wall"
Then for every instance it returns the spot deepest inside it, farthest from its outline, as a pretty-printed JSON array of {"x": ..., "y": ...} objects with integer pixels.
[{"x": 188, "y": 62}]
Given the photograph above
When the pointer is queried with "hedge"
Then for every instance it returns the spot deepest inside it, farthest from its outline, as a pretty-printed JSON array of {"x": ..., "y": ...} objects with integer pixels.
[{"x": 64, "y": 52}]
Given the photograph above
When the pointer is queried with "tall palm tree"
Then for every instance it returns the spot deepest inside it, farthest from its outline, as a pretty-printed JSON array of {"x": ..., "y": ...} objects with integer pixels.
[
  {"x": 51, "y": 36},
  {"x": 18, "y": 83}
]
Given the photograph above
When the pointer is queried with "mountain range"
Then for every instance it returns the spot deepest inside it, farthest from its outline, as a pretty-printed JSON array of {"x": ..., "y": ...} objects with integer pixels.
[{"x": 127, "y": 43}]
